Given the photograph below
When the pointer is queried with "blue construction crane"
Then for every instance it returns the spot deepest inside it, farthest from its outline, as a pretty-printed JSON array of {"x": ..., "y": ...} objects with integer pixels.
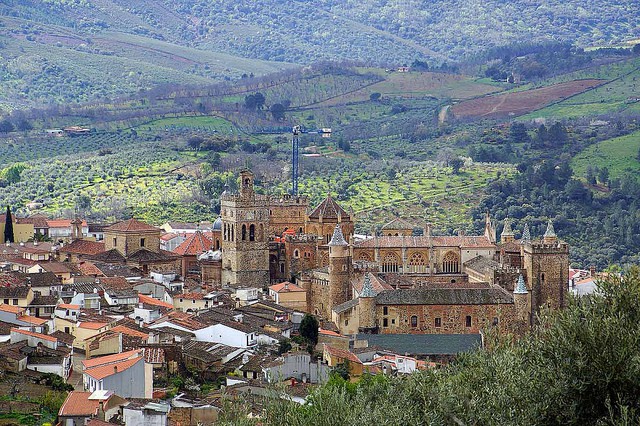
[{"x": 295, "y": 152}]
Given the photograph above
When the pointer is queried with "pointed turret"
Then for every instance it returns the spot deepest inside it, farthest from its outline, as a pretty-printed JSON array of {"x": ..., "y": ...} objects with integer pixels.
[
  {"x": 526, "y": 234},
  {"x": 550, "y": 234},
  {"x": 367, "y": 287},
  {"x": 489, "y": 228},
  {"x": 337, "y": 239},
  {"x": 507, "y": 234},
  {"x": 520, "y": 288}
]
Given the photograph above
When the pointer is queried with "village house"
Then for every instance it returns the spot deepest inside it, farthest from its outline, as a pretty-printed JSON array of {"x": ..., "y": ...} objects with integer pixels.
[
  {"x": 125, "y": 374},
  {"x": 80, "y": 407},
  {"x": 43, "y": 352},
  {"x": 289, "y": 295}
]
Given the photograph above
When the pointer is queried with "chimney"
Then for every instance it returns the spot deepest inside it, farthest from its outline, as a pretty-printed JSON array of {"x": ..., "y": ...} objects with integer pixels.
[
  {"x": 286, "y": 285},
  {"x": 140, "y": 322},
  {"x": 115, "y": 368},
  {"x": 101, "y": 413}
]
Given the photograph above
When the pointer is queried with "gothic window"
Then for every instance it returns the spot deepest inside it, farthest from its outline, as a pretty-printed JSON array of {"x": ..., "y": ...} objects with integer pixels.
[
  {"x": 244, "y": 232},
  {"x": 390, "y": 263},
  {"x": 296, "y": 254},
  {"x": 252, "y": 232},
  {"x": 299, "y": 230},
  {"x": 467, "y": 321},
  {"x": 324, "y": 260},
  {"x": 418, "y": 263},
  {"x": 450, "y": 263},
  {"x": 365, "y": 256},
  {"x": 233, "y": 234},
  {"x": 414, "y": 321}
]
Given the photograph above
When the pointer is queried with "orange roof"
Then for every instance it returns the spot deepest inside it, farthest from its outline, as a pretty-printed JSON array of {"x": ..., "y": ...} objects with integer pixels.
[
  {"x": 88, "y": 268},
  {"x": 109, "y": 359},
  {"x": 32, "y": 320},
  {"x": 330, "y": 333},
  {"x": 341, "y": 353},
  {"x": 131, "y": 225},
  {"x": 11, "y": 308},
  {"x": 289, "y": 232},
  {"x": 195, "y": 244},
  {"x": 92, "y": 325},
  {"x": 32, "y": 334},
  {"x": 68, "y": 306},
  {"x": 83, "y": 247},
  {"x": 152, "y": 301},
  {"x": 79, "y": 404},
  {"x": 63, "y": 223},
  {"x": 194, "y": 296},
  {"x": 102, "y": 371},
  {"x": 285, "y": 287},
  {"x": 129, "y": 331}
]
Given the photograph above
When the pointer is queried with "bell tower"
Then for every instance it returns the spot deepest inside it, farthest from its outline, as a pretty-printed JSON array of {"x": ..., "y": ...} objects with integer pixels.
[{"x": 340, "y": 268}]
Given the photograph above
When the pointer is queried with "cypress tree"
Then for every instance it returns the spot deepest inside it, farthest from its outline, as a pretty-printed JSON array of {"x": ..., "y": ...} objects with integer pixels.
[{"x": 8, "y": 227}]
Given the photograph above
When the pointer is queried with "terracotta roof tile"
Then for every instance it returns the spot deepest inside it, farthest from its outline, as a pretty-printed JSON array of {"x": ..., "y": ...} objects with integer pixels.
[
  {"x": 88, "y": 268},
  {"x": 130, "y": 226},
  {"x": 32, "y": 334},
  {"x": 109, "y": 359},
  {"x": 32, "y": 320},
  {"x": 89, "y": 325},
  {"x": 83, "y": 247},
  {"x": 286, "y": 287},
  {"x": 79, "y": 404},
  {"x": 68, "y": 306},
  {"x": 130, "y": 332},
  {"x": 329, "y": 209},
  {"x": 11, "y": 308},
  {"x": 152, "y": 301},
  {"x": 191, "y": 296},
  {"x": 102, "y": 371},
  {"x": 341, "y": 353},
  {"x": 194, "y": 245}
]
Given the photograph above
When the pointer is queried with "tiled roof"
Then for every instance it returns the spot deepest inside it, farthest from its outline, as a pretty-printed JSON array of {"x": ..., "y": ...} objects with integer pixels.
[
  {"x": 463, "y": 241},
  {"x": 152, "y": 301},
  {"x": 109, "y": 256},
  {"x": 154, "y": 355},
  {"x": 39, "y": 300},
  {"x": 424, "y": 344},
  {"x": 343, "y": 307},
  {"x": 377, "y": 284},
  {"x": 191, "y": 296},
  {"x": 482, "y": 264},
  {"x": 32, "y": 320},
  {"x": 143, "y": 256},
  {"x": 38, "y": 221},
  {"x": 329, "y": 209},
  {"x": 195, "y": 244},
  {"x": 88, "y": 268},
  {"x": 41, "y": 279},
  {"x": 56, "y": 267},
  {"x": 11, "y": 308},
  {"x": 83, "y": 247},
  {"x": 115, "y": 283},
  {"x": 68, "y": 306},
  {"x": 445, "y": 296},
  {"x": 32, "y": 334},
  {"x": 130, "y": 332},
  {"x": 79, "y": 404},
  {"x": 90, "y": 325},
  {"x": 103, "y": 371},
  {"x": 337, "y": 239},
  {"x": 110, "y": 359},
  {"x": 63, "y": 337},
  {"x": 20, "y": 292},
  {"x": 63, "y": 223},
  {"x": 341, "y": 353},
  {"x": 286, "y": 287},
  {"x": 130, "y": 225}
]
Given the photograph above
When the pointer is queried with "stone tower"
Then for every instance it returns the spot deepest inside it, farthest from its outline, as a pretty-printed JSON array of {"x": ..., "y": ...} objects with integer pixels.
[
  {"x": 507, "y": 235},
  {"x": 546, "y": 262},
  {"x": 245, "y": 247},
  {"x": 367, "y": 307},
  {"x": 521, "y": 302},
  {"x": 340, "y": 268}
]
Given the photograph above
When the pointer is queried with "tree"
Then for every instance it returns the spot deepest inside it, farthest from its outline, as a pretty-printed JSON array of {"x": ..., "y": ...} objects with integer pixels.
[
  {"x": 309, "y": 329},
  {"x": 277, "y": 111},
  {"x": 284, "y": 346},
  {"x": 194, "y": 142},
  {"x": 518, "y": 133},
  {"x": 6, "y": 126},
  {"x": 603, "y": 175},
  {"x": 375, "y": 96},
  {"x": 456, "y": 164},
  {"x": 8, "y": 227}
]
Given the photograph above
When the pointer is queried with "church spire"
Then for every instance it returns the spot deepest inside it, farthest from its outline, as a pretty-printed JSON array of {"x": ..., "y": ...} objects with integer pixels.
[
  {"x": 337, "y": 239},
  {"x": 521, "y": 288},
  {"x": 550, "y": 234},
  {"x": 526, "y": 234},
  {"x": 367, "y": 288}
]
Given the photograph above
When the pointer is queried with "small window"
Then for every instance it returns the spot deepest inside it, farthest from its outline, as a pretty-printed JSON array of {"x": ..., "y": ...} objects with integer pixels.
[
  {"x": 141, "y": 242},
  {"x": 468, "y": 321},
  {"x": 296, "y": 254},
  {"x": 495, "y": 320},
  {"x": 393, "y": 321},
  {"x": 437, "y": 322},
  {"x": 414, "y": 321},
  {"x": 194, "y": 301},
  {"x": 115, "y": 241},
  {"x": 6, "y": 301},
  {"x": 385, "y": 322},
  {"x": 346, "y": 322},
  {"x": 385, "y": 311},
  {"x": 282, "y": 268},
  {"x": 15, "y": 302},
  {"x": 180, "y": 300}
]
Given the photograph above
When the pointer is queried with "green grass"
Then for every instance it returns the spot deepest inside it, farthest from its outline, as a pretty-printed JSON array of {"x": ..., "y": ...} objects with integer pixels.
[
  {"x": 189, "y": 122},
  {"x": 618, "y": 154}
]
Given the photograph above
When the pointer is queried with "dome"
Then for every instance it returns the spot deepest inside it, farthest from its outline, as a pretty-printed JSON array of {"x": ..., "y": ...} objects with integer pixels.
[{"x": 217, "y": 224}]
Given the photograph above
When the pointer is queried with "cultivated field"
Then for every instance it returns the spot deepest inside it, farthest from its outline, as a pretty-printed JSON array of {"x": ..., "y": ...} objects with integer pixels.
[
  {"x": 518, "y": 103},
  {"x": 619, "y": 155}
]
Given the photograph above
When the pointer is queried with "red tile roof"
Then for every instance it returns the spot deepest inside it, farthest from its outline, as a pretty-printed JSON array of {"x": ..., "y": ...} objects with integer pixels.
[
  {"x": 129, "y": 331},
  {"x": 102, "y": 371},
  {"x": 79, "y": 404},
  {"x": 88, "y": 268},
  {"x": 130, "y": 226},
  {"x": 11, "y": 308},
  {"x": 286, "y": 287},
  {"x": 63, "y": 223},
  {"x": 83, "y": 247},
  {"x": 32, "y": 320},
  {"x": 92, "y": 325},
  {"x": 68, "y": 306},
  {"x": 152, "y": 301},
  {"x": 195, "y": 244},
  {"x": 109, "y": 359},
  {"x": 341, "y": 353},
  {"x": 32, "y": 334}
]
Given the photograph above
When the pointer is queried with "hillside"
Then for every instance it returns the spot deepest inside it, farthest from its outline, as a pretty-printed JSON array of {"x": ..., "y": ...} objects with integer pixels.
[{"x": 388, "y": 31}]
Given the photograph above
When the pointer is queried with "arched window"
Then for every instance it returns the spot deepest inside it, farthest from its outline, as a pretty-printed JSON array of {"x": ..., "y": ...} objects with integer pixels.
[
  {"x": 450, "y": 263},
  {"x": 299, "y": 230},
  {"x": 224, "y": 235},
  {"x": 296, "y": 254},
  {"x": 233, "y": 233},
  {"x": 252, "y": 232},
  {"x": 324, "y": 260},
  {"x": 217, "y": 244},
  {"x": 418, "y": 262},
  {"x": 414, "y": 321},
  {"x": 365, "y": 256},
  {"x": 390, "y": 263},
  {"x": 244, "y": 232}
]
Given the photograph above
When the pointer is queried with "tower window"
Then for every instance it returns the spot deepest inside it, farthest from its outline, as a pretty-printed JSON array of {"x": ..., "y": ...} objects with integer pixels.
[
  {"x": 141, "y": 242},
  {"x": 495, "y": 320},
  {"x": 468, "y": 321},
  {"x": 296, "y": 253},
  {"x": 437, "y": 322},
  {"x": 252, "y": 232},
  {"x": 115, "y": 241},
  {"x": 385, "y": 310},
  {"x": 414, "y": 321},
  {"x": 244, "y": 232},
  {"x": 385, "y": 322}
]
